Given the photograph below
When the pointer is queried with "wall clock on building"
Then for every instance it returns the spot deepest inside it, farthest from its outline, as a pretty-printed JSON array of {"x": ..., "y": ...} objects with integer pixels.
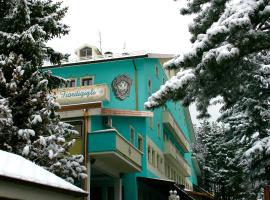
[{"x": 121, "y": 86}]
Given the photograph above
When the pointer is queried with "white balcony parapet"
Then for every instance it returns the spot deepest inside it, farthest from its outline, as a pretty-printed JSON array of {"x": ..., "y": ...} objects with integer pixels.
[
  {"x": 120, "y": 154},
  {"x": 128, "y": 150},
  {"x": 169, "y": 121},
  {"x": 171, "y": 151},
  {"x": 189, "y": 185}
]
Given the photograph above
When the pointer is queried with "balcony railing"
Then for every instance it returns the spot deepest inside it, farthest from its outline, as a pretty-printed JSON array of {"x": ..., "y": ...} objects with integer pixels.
[
  {"x": 128, "y": 150},
  {"x": 110, "y": 146},
  {"x": 189, "y": 185},
  {"x": 169, "y": 121},
  {"x": 172, "y": 152}
]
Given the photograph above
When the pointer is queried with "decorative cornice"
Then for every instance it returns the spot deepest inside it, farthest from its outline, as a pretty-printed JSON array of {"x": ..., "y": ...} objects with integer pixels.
[{"x": 129, "y": 113}]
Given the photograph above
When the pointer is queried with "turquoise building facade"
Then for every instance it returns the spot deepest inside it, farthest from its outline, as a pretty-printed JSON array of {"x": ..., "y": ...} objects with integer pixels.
[{"x": 131, "y": 153}]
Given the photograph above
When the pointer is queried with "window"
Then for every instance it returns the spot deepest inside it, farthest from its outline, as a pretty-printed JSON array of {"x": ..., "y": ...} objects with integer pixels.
[
  {"x": 149, "y": 86},
  {"x": 71, "y": 83},
  {"x": 161, "y": 163},
  {"x": 78, "y": 126},
  {"x": 171, "y": 174},
  {"x": 158, "y": 129},
  {"x": 156, "y": 71},
  {"x": 87, "y": 81},
  {"x": 163, "y": 108},
  {"x": 165, "y": 137},
  {"x": 132, "y": 135},
  {"x": 166, "y": 170},
  {"x": 153, "y": 158},
  {"x": 86, "y": 52},
  {"x": 149, "y": 154},
  {"x": 107, "y": 122},
  {"x": 158, "y": 161},
  {"x": 172, "y": 72},
  {"x": 150, "y": 122},
  {"x": 167, "y": 73},
  {"x": 140, "y": 143}
]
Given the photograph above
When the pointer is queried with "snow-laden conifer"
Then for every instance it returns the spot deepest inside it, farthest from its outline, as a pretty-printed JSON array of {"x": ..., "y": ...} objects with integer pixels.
[
  {"x": 29, "y": 124},
  {"x": 229, "y": 59},
  {"x": 221, "y": 174}
]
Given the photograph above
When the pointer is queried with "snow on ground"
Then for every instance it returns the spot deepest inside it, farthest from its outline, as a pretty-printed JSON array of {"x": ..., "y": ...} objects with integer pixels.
[{"x": 15, "y": 166}]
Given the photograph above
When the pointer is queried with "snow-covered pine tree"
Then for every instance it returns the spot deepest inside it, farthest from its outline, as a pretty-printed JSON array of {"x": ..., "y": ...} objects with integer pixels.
[
  {"x": 229, "y": 59},
  {"x": 200, "y": 150},
  {"x": 29, "y": 124},
  {"x": 209, "y": 150},
  {"x": 220, "y": 174}
]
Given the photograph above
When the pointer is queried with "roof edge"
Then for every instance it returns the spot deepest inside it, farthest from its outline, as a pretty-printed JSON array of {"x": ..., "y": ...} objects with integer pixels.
[
  {"x": 44, "y": 186},
  {"x": 160, "y": 55},
  {"x": 96, "y": 61},
  {"x": 106, "y": 59}
]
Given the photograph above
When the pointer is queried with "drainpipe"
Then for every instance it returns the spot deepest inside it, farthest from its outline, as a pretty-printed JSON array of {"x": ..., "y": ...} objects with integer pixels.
[
  {"x": 266, "y": 193},
  {"x": 86, "y": 131},
  {"x": 136, "y": 84}
]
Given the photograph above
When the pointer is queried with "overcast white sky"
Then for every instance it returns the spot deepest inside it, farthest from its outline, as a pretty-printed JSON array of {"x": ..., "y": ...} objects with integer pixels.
[
  {"x": 155, "y": 26},
  {"x": 150, "y": 25}
]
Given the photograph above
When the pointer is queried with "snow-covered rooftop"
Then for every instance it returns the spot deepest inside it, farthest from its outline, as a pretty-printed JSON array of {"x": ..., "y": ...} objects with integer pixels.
[
  {"x": 17, "y": 167},
  {"x": 119, "y": 56}
]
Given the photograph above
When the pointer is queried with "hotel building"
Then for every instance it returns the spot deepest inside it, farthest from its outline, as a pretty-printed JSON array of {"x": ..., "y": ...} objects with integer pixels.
[{"x": 131, "y": 153}]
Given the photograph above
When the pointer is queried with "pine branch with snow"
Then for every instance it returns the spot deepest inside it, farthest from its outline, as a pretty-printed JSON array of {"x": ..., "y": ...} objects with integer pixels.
[
  {"x": 29, "y": 123},
  {"x": 229, "y": 58}
]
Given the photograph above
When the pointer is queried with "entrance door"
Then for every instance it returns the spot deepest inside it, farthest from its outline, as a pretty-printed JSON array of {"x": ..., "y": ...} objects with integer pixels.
[
  {"x": 96, "y": 193},
  {"x": 110, "y": 193}
]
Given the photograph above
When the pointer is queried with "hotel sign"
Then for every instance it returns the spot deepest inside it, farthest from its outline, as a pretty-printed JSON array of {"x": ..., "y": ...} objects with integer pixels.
[{"x": 84, "y": 94}]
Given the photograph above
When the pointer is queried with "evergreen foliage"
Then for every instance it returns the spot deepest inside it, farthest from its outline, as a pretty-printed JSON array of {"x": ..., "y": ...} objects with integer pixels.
[
  {"x": 29, "y": 124},
  {"x": 229, "y": 59},
  {"x": 221, "y": 173}
]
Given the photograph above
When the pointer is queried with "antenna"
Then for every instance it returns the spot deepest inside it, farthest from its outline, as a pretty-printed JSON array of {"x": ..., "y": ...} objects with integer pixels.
[
  {"x": 100, "y": 41},
  {"x": 124, "y": 47}
]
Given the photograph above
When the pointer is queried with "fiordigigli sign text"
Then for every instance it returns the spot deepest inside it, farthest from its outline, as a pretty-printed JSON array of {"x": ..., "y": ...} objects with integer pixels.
[{"x": 84, "y": 94}]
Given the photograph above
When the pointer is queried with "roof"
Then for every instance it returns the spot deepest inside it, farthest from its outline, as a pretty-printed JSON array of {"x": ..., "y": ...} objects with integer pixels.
[
  {"x": 16, "y": 168},
  {"x": 104, "y": 58},
  {"x": 201, "y": 195},
  {"x": 164, "y": 186}
]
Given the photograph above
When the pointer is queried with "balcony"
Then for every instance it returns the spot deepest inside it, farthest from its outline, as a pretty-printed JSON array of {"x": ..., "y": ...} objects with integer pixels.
[
  {"x": 111, "y": 149},
  {"x": 188, "y": 184},
  {"x": 171, "y": 124},
  {"x": 174, "y": 156}
]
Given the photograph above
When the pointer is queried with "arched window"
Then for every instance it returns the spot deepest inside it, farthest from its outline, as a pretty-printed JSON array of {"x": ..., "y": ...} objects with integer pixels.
[{"x": 86, "y": 52}]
